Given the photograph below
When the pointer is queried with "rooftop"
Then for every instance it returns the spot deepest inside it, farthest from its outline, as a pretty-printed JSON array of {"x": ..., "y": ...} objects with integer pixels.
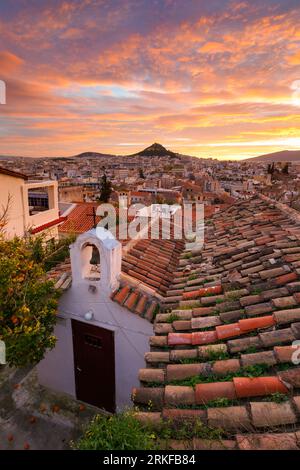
[
  {"x": 15, "y": 174},
  {"x": 223, "y": 346}
]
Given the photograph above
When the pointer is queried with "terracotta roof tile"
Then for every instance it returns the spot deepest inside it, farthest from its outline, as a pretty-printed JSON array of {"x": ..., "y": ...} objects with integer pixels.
[
  {"x": 205, "y": 393},
  {"x": 290, "y": 377},
  {"x": 140, "y": 307},
  {"x": 131, "y": 300},
  {"x": 282, "y": 280},
  {"x": 179, "y": 395},
  {"x": 284, "y": 353},
  {"x": 136, "y": 301},
  {"x": 179, "y": 338},
  {"x": 228, "y": 331},
  {"x": 122, "y": 294},
  {"x": 271, "y": 441},
  {"x": 232, "y": 418},
  {"x": 272, "y": 414},
  {"x": 258, "y": 386},
  {"x": 251, "y": 324},
  {"x": 204, "y": 337}
]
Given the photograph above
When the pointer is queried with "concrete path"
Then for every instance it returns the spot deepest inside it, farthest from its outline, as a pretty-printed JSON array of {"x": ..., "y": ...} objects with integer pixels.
[{"x": 32, "y": 417}]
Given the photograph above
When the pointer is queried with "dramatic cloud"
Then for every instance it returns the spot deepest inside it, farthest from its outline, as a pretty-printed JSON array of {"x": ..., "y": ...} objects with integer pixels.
[{"x": 214, "y": 78}]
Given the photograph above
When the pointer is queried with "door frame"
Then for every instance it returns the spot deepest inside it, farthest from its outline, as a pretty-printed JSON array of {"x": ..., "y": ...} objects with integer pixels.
[{"x": 75, "y": 321}]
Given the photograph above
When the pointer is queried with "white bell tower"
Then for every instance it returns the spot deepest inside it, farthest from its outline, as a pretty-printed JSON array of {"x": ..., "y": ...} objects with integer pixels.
[{"x": 103, "y": 273}]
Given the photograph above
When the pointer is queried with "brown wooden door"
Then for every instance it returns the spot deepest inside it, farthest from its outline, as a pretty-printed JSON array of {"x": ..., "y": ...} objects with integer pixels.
[{"x": 94, "y": 362}]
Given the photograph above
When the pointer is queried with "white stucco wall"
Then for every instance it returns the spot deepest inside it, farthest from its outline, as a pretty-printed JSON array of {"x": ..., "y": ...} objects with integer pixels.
[
  {"x": 131, "y": 334},
  {"x": 12, "y": 187}
]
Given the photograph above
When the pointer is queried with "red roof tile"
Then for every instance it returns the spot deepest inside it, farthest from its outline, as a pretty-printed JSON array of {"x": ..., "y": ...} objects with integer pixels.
[
  {"x": 204, "y": 337},
  {"x": 179, "y": 338},
  {"x": 50, "y": 224},
  {"x": 228, "y": 331},
  {"x": 251, "y": 324},
  {"x": 210, "y": 391},
  {"x": 258, "y": 386}
]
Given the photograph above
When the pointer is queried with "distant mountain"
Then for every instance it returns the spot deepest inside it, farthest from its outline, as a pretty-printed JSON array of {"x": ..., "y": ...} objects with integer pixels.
[
  {"x": 283, "y": 156},
  {"x": 152, "y": 151},
  {"x": 156, "y": 150},
  {"x": 91, "y": 154}
]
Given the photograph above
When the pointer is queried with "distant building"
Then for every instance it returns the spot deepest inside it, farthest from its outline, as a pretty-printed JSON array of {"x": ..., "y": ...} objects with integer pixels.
[
  {"x": 192, "y": 192},
  {"x": 71, "y": 194}
]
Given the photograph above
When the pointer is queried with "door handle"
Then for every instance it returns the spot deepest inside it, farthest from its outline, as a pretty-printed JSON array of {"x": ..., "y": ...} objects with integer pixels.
[{"x": 78, "y": 369}]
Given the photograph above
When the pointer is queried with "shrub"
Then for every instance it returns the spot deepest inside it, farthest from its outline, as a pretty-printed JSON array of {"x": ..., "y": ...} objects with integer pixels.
[
  {"x": 28, "y": 303},
  {"x": 124, "y": 432},
  {"x": 118, "y": 432}
]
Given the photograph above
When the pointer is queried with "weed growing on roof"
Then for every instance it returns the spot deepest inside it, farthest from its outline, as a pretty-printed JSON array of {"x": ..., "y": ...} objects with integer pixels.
[
  {"x": 220, "y": 301},
  {"x": 190, "y": 307},
  {"x": 221, "y": 402},
  {"x": 172, "y": 317},
  {"x": 252, "y": 334},
  {"x": 206, "y": 281},
  {"x": 232, "y": 288},
  {"x": 233, "y": 295},
  {"x": 250, "y": 350},
  {"x": 193, "y": 277},
  {"x": 153, "y": 384},
  {"x": 187, "y": 430},
  {"x": 284, "y": 366},
  {"x": 256, "y": 370},
  {"x": 207, "y": 328},
  {"x": 190, "y": 360},
  {"x": 188, "y": 256},
  {"x": 256, "y": 291},
  {"x": 150, "y": 405},
  {"x": 211, "y": 294},
  {"x": 277, "y": 397},
  {"x": 211, "y": 355}
]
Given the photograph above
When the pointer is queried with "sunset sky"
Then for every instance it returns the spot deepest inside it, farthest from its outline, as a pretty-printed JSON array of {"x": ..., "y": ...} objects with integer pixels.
[{"x": 211, "y": 78}]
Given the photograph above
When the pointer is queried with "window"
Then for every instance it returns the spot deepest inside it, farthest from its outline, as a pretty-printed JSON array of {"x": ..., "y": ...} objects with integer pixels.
[
  {"x": 93, "y": 341},
  {"x": 39, "y": 199}
]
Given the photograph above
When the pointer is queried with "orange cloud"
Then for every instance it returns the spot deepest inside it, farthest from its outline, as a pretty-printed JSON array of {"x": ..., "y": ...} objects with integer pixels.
[
  {"x": 9, "y": 63},
  {"x": 294, "y": 59},
  {"x": 213, "y": 48}
]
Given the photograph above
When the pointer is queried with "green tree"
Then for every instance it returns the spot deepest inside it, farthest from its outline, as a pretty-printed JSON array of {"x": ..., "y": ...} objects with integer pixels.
[
  {"x": 28, "y": 304},
  {"x": 105, "y": 189}
]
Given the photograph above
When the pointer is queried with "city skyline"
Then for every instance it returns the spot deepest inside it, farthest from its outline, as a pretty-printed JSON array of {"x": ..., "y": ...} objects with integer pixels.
[{"x": 217, "y": 80}]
